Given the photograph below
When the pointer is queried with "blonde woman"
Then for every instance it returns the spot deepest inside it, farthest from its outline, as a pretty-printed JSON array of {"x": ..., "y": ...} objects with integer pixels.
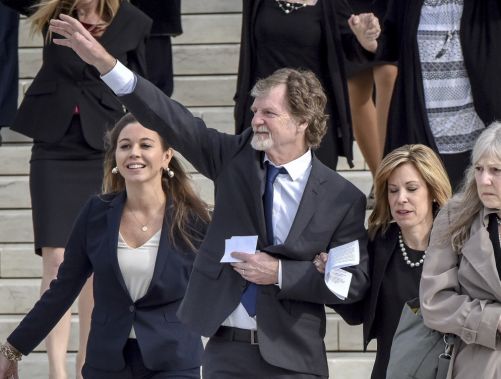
[
  {"x": 66, "y": 111},
  {"x": 410, "y": 186},
  {"x": 460, "y": 288},
  {"x": 139, "y": 239}
]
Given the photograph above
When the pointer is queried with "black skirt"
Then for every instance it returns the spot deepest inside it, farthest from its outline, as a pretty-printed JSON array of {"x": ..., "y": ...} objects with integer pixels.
[{"x": 63, "y": 176}]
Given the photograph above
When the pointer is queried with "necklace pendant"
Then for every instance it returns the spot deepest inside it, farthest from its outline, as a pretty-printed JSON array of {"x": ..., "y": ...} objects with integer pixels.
[{"x": 144, "y": 228}]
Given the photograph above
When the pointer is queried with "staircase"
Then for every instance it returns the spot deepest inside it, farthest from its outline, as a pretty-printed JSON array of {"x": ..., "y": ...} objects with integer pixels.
[{"x": 205, "y": 65}]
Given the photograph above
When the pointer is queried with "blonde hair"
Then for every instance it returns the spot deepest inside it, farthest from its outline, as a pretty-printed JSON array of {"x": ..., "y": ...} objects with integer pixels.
[
  {"x": 187, "y": 208},
  {"x": 49, "y": 9},
  {"x": 429, "y": 166},
  {"x": 466, "y": 205},
  {"x": 305, "y": 100}
]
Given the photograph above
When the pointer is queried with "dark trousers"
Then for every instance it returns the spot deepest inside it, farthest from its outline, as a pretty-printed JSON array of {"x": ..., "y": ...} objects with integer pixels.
[
  {"x": 231, "y": 360},
  {"x": 135, "y": 368},
  {"x": 159, "y": 62},
  {"x": 455, "y": 165}
]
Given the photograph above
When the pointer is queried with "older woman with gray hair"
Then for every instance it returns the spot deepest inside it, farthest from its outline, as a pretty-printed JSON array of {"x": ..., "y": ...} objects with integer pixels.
[{"x": 460, "y": 287}]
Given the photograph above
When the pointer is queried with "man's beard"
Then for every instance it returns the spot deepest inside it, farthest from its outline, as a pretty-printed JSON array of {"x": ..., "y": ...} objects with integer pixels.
[{"x": 259, "y": 143}]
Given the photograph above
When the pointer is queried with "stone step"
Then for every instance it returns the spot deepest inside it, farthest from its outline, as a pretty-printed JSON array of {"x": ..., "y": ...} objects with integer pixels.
[
  {"x": 350, "y": 365},
  {"x": 16, "y": 224},
  {"x": 197, "y": 29},
  {"x": 341, "y": 365},
  {"x": 211, "y": 6},
  {"x": 339, "y": 337},
  {"x": 19, "y": 261},
  {"x": 192, "y": 91},
  {"x": 9, "y": 322},
  {"x": 18, "y": 295},
  {"x": 35, "y": 366},
  {"x": 187, "y": 60}
]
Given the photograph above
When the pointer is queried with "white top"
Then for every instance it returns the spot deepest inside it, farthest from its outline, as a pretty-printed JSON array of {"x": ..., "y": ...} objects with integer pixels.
[{"x": 137, "y": 266}]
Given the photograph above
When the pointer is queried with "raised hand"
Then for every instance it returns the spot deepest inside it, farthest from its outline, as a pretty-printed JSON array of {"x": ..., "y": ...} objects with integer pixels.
[
  {"x": 366, "y": 28},
  {"x": 76, "y": 37}
]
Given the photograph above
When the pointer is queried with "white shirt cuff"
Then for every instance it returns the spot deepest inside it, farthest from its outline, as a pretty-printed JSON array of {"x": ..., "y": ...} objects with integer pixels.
[
  {"x": 120, "y": 79},
  {"x": 279, "y": 284}
]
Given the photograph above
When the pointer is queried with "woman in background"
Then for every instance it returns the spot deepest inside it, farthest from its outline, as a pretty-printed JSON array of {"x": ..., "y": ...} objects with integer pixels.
[
  {"x": 410, "y": 187},
  {"x": 139, "y": 239},
  {"x": 66, "y": 110},
  {"x": 461, "y": 288},
  {"x": 271, "y": 39},
  {"x": 446, "y": 91}
]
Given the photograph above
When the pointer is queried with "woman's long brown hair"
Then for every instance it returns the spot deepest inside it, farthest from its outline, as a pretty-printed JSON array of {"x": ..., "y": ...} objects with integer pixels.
[{"x": 188, "y": 209}]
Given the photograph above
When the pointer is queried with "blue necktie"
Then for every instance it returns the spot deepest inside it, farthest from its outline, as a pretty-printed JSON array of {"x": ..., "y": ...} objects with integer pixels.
[{"x": 249, "y": 295}]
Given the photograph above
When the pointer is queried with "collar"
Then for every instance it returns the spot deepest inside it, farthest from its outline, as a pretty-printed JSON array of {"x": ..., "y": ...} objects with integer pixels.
[
  {"x": 296, "y": 168},
  {"x": 486, "y": 212}
]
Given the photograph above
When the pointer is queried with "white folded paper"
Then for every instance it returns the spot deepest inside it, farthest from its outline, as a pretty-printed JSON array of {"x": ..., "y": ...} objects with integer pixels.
[
  {"x": 241, "y": 244},
  {"x": 336, "y": 279}
]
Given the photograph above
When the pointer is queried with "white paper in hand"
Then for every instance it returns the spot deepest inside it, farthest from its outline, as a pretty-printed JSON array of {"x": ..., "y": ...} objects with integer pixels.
[
  {"x": 336, "y": 279},
  {"x": 242, "y": 244}
]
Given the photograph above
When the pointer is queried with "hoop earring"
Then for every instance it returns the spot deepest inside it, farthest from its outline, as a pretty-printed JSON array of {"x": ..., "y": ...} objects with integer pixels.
[
  {"x": 169, "y": 172},
  {"x": 114, "y": 170}
]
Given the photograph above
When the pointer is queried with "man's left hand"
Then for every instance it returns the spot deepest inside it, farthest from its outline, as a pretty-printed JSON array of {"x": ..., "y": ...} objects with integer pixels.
[{"x": 259, "y": 268}]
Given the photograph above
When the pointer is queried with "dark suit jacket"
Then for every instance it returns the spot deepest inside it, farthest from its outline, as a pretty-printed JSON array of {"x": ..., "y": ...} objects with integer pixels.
[
  {"x": 291, "y": 320},
  {"x": 166, "y": 15},
  {"x": 380, "y": 250},
  {"x": 9, "y": 23},
  {"x": 65, "y": 81},
  {"x": 165, "y": 343}
]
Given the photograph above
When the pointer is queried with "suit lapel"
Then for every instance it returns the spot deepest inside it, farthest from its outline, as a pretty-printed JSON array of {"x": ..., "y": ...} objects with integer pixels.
[
  {"x": 479, "y": 252},
  {"x": 164, "y": 248},
  {"x": 113, "y": 228}
]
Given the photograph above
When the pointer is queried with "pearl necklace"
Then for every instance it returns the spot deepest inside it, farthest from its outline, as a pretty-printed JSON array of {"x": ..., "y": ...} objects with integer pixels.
[
  {"x": 288, "y": 7},
  {"x": 404, "y": 253}
]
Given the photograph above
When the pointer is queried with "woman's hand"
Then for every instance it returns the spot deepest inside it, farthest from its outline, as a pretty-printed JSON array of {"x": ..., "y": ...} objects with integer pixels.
[
  {"x": 320, "y": 261},
  {"x": 366, "y": 28},
  {"x": 8, "y": 369},
  {"x": 82, "y": 42}
]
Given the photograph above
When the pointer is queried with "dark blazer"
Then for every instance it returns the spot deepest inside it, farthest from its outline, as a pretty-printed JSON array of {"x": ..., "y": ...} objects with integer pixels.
[
  {"x": 479, "y": 31},
  {"x": 380, "y": 250},
  {"x": 165, "y": 343},
  {"x": 65, "y": 81},
  {"x": 166, "y": 15},
  {"x": 291, "y": 320},
  {"x": 9, "y": 24}
]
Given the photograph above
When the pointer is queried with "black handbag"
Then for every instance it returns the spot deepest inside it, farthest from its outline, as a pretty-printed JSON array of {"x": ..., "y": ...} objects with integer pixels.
[{"x": 417, "y": 351}]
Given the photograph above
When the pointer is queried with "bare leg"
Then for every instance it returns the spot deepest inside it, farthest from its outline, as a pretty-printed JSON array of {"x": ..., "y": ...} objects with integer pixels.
[
  {"x": 384, "y": 77},
  {"x": 57, "y": 340},
  {"x": 85, "y": 306},
  {"x": 364, "y": 120}
]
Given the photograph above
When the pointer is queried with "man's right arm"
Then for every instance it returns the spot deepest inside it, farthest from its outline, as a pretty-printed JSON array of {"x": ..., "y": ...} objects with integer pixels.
[{"x": 206, "y": 149}]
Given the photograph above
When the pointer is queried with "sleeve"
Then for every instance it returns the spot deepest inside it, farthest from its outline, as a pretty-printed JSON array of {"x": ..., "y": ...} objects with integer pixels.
[
  {"x": 206, "y": 149},
  {"x": 25, "y": 7},
  {"x": 71, "y": 277},
  {"x": 443, "y": 306},
  {"x": 301, "y": 280},
  {"x": 391, "y": 33},
  {"x": 136, "y": 59}
]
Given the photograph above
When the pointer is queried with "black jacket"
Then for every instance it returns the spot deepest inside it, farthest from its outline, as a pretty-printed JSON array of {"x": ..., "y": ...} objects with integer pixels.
[
  {"x": 166, "y": 15},
  {"x": 65, "y": 81}
]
